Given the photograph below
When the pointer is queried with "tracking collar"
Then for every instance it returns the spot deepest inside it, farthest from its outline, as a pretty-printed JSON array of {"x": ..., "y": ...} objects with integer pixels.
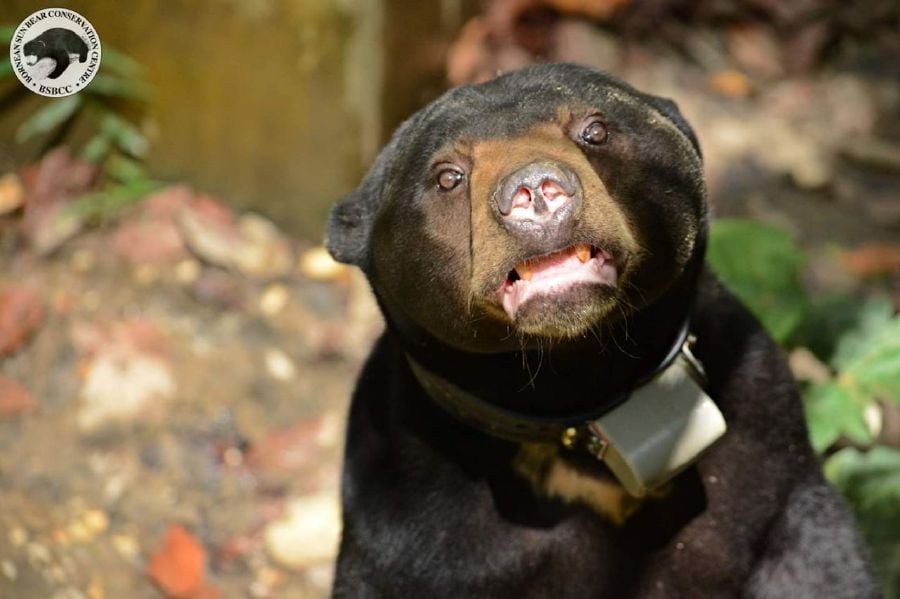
[{"x": 646, "y": 438}]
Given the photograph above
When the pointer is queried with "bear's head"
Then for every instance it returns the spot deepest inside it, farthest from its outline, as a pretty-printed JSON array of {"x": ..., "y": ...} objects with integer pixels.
[{"x": 540, "y": 205}]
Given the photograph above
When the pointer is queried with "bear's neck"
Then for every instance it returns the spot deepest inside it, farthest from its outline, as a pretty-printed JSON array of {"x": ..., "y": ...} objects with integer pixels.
[{"x": 562, "y": 378}]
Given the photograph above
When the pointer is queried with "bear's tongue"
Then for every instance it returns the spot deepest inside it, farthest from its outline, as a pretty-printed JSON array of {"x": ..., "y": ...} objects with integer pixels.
[{"x": 555, "y": 273}]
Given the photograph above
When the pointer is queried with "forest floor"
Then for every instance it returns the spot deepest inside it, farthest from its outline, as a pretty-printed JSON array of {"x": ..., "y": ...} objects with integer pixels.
[{"x": 174, "y": 380}]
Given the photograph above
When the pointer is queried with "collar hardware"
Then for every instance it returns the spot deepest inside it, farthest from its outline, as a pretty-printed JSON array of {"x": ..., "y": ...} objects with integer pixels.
[{"x": 661, "y": 428}]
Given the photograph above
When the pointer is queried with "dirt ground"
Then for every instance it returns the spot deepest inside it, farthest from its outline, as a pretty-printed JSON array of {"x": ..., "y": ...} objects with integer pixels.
[
  {"x": 174, "y": 380},
  {"x": 167, "y": 392}
]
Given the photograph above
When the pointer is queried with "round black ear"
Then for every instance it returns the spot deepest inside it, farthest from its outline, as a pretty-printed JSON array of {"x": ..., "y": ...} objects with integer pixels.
[
  {"x": 669, "y": 109},
  {"x": 348, "y": 229},
  {"x": 350, "y": 221}
]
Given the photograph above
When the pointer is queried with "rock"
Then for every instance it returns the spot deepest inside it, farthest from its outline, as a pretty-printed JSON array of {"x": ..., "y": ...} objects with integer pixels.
[
  {"x": 126, "y": 545},
  {"x": 731, "y": 84},
  {"x": 580, "y": 41},
  {"x": 811, "y": 171},
  {"x": 250, "y": 244},
  {"x": 12, "y": 193},
  {"x": 145, "y": 274},
  {"x": 755, "y": 50},
  {"x": 873, "y": 416},
  {"x": 318, "y": 264},
  {"x": 219, "y": 289},
  {"x": 15, "y": 399},
  {"x": 279, "y": 365},
  {"x": 166, "y": 203},
  {"x": 96, "y": 590},
  {"x": 122, "y": 387},
  {"x": 141, "y": 241},
  {"x": 37, "y": 553},
  {"x": 88, "y": 526},
  {"x": 188, "y": 271},
  {"x": 139, "y": 335},
  {"x": 208, "y": 228},
  {"x": 265, "y": 253},
  {"x": 50, "y": 187},
  {"x": 308, "y": 533},
  {"x": 127, "y": 375},
  {"x": 265, "y": 580},
  {"x": 273, "y": 300},
  {"x": 83, "y": 260},
  {"x": 291, "y": 449},
  {"x": 152, "y": 232},
  {"x": 321, "y": 577},
  {"x": 178, "y": 568},
  {"x": 21, "y": 314},
  {"x": 96, "y": 520},
  {"x": 17, "y": 536}
]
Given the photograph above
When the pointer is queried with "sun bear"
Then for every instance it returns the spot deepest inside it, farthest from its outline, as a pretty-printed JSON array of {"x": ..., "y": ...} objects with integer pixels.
[
  {"x": 566, "y": 402},
  {"x": 57, "y": 43}
]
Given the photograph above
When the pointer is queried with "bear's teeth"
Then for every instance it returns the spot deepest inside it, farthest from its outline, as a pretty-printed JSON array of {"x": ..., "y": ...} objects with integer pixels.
[
  {"x": 583, "y": 251},
  {"x": 525, "y": 271}
]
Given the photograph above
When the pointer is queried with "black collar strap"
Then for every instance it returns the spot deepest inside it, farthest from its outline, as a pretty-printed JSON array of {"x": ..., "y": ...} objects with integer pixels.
[{"x": 515, "y": 426}]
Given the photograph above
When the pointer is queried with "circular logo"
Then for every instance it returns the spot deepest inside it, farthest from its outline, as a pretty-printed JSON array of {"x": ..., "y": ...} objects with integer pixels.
[{"x": 55, "y": 52}]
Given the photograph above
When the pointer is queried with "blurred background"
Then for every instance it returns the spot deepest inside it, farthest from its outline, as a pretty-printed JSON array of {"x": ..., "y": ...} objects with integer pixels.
[{"x": 177, "y": 351}]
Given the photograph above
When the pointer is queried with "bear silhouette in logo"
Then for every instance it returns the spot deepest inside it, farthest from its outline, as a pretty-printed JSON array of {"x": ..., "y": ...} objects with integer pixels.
[{"x": 57, "y": 43}]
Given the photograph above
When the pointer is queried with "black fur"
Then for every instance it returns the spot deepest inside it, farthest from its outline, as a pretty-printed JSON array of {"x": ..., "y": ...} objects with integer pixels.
[
  {"x": 433, "y": 508},
  {"x": 57, "y": 43}
]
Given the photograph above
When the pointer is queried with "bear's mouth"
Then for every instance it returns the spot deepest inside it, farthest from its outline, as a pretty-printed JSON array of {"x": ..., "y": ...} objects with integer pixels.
[{"x": 554, "y": 274}]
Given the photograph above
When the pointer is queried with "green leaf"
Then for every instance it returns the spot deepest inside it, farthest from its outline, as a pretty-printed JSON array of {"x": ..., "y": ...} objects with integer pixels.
[
  {"x": 125, "y": 135},
  {"x": 51, "y": 115},
  {"x": 109, "y": 202},
  {"x": 832, "y": 411},
  {"x": 761, "y": 265},
  {"x": 6, "y": 68},
  {"x": 868, "y": 357},
  {"x": 829, "y": 317},
  {"x": 124, "y": 169},
  {"x": 873, "y": 315},
  {"x": 118, "y": 87},
  {"x": 119, "y": 64},
  {"x": 6, "y": 34},
  {"x": 96, "y": 149}
]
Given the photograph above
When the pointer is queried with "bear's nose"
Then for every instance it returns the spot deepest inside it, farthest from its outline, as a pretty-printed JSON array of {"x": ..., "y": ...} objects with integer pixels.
[{"x": 537, "y": 193}]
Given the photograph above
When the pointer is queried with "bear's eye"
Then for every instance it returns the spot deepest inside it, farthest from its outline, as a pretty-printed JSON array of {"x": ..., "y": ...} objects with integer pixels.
[
  {"x": 595, "y": 133},
  {"x": 449, "y": 178}
]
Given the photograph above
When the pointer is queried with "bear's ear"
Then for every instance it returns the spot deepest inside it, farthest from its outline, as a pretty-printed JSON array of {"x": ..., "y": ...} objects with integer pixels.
[
  {"x": 350, "y": 221},
  {"x": 669, "y": 109},
  {"x": 349, "y": 226}
]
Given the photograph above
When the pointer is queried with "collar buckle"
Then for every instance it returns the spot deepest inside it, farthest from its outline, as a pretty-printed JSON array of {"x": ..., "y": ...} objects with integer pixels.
[{"x": 660, "y": 430}]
